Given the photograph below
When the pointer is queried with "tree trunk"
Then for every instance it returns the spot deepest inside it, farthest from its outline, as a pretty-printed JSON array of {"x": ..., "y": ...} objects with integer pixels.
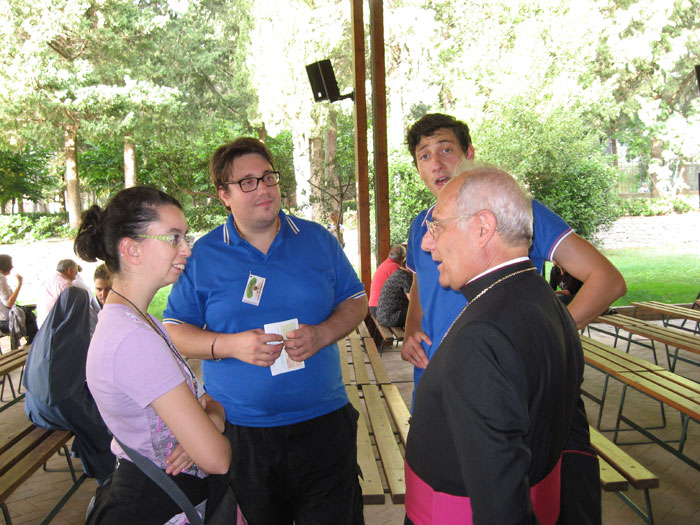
[
  {"x": 20, "y": 205},
  {"x": 613, "y": 146},
  {"x": 301, "y": 169},
  {"x": 332, "y": 181},
  {"x": 316, "y": 160},
  {"x": 129, "y": 162},
  {"x": 72, "y": 184},
  {"x": 262, "y": 133},
  {"x": 657, "y": 147}
]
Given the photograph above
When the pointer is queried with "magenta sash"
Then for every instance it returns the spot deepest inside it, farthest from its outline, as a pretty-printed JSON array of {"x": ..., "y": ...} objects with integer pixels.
[{"x": 425, "y": 506}]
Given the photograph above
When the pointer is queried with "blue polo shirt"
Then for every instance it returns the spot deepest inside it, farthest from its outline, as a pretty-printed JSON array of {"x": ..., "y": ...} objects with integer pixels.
[
  {"x": 441, "y": 306},
  {"x": 306, "y": 276}
]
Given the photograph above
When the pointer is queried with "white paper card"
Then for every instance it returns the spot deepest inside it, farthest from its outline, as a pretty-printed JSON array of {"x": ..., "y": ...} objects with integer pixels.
[{"x": 283, "y": 363}]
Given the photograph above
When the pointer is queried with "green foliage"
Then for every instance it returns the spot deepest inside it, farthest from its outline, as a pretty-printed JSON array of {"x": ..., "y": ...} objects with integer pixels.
[
  {"x": 204, "y": 218},
  {"x": 32, "y": 227},
  {"x": 558, "y": 157},
  {"x": 159, "y": 302},
  {"x": 648, "y": 207},
  {"x": 24, "y": 174},
  {"x": 282, "y": 151},
  {"x": 102, "y": 165},
  {"x": 408, "y": 194}
]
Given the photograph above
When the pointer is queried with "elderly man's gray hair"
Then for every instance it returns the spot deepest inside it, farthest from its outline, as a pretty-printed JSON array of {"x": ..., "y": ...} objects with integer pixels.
[
  {"x": 490, "y": 188},
  {"x": 65, "y": 264}
]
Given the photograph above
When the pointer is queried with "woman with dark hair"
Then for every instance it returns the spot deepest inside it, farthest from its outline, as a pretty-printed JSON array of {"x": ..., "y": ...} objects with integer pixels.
[
  {"x": 14, "y": 319},
  {"x": 146, "y": 392}
]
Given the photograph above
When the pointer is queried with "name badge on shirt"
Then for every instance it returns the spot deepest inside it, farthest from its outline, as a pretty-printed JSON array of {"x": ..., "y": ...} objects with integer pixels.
[{"x": 253, "y": 289}]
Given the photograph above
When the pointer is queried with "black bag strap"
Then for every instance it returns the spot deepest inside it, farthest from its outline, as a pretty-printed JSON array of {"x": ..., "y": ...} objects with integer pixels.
[{"x": 163, "y": 481}]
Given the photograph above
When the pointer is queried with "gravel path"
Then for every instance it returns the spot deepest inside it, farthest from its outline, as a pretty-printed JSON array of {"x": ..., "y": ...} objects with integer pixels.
[
  {"x": 680, "y": 231},
  {"x": 37, "y": 260}
]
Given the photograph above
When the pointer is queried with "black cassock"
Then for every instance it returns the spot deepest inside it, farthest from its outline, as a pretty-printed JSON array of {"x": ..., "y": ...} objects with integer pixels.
[{"x": 495, "y": 406}]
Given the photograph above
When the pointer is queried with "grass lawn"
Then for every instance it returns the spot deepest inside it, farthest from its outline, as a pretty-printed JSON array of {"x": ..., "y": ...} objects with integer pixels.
[
  {"x": 668, "y": 275},
  {"x": 159, "y": 301}
]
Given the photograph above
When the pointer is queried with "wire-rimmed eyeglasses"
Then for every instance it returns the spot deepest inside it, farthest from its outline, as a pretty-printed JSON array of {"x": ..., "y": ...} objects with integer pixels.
[
  {"x": 248, "y": 184},
  {"x": 173, "y": 239},
  {"x": 433, "y": 226}
]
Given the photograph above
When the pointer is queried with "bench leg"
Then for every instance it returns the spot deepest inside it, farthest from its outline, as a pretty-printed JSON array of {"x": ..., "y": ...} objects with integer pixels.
[
  {"x": 684, "y": 432},
  {"x": 51, "y": 515},
  {"x": 6, "y": 514},
  {"x": 647, "y": 516},
  {"x": 7, "y": 378},
  {"x": 663, "y": 444},
  {"x": 602, "y": 401},
  {"x": 621, "y": 418}
]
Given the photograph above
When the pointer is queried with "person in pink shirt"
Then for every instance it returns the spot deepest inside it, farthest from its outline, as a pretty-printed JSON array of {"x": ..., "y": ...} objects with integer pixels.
[
  {"x": 397, "y": 255},
  {"x": 66, "y": 272}
]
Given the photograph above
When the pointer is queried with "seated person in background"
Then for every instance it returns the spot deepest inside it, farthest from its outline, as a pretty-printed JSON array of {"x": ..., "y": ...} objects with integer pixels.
[
  {"x": 66, "y": 271},
  {"x": 393, "y": 301},
  {"x": 14, "y": 319},
  {"x": 103, "y": 284},
  {"x": 568, "y": 284},
  {"x": 54, "y": 378},
  {"x": 397, "y": 256}
]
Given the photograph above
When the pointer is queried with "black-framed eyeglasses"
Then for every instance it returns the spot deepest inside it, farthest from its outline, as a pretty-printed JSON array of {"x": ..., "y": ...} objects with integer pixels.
[{"x": 248, "y": 184}]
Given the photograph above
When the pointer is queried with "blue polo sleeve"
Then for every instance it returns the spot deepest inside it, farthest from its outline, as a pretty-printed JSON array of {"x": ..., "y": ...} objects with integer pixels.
[
  {"x": 183, "y": 305},
  {"x": 549, "y": 231}
]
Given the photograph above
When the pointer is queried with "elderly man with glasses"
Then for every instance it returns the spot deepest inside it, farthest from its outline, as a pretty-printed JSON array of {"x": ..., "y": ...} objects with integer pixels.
[
  {"x": 292, "y": 429},
  {"x": 494, "y": 409}
]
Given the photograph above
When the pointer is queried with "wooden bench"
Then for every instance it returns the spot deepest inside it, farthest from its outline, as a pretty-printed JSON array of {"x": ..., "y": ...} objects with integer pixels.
[
  {"x": 618, "y": 470},
  {"x": 672, "y": 311},
  {"x": 9, "y": 362},
  {"x": 667, "y": 336},
  {"x": 23, "y": 454},
  {"x": 666, "y": 387},
  {"x": 384, "y": 419},
  {"x": 383, "y": 335}
]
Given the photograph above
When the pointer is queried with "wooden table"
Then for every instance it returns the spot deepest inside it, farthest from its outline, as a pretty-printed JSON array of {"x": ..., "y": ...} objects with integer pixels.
[
  {"x": 668, "y": 388},
  {"x": 667, "y": 336}
]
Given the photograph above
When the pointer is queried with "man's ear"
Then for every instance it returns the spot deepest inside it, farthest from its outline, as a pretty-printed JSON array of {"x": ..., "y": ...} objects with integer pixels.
[
  {"x": 488, "y": 224},
  {"x": 130, "y": 250},
  {"x": 224, "y": 197},
  {"x": 470, "y": 152}
]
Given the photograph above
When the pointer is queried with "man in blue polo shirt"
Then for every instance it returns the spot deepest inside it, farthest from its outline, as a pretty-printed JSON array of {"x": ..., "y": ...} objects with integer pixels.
[
  {"x": 292, "y": 429},
  {"x": 438, "y": 143}
]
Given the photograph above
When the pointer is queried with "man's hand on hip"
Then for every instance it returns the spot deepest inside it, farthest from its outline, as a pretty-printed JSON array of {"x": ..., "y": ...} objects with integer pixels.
[{"x": 413, "y": 352}]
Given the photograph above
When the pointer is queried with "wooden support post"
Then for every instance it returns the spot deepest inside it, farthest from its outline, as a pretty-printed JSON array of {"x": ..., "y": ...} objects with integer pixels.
[
  {"x": 361, "y": 154},
  {"x": 381, "y": 166}
]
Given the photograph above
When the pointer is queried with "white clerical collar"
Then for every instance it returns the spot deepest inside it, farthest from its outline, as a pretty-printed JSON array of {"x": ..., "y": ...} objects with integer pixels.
[{"x": 494, "y": 268}]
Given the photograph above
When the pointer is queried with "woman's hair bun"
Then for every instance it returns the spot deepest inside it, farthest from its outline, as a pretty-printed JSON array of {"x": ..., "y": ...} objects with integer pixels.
[{"x": 89, "y": 244}]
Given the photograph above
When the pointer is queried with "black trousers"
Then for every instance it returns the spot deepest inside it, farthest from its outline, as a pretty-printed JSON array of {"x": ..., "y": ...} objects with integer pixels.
[
  {"x": 305, "y": 473},
  {"x": 132, "y": 498}
]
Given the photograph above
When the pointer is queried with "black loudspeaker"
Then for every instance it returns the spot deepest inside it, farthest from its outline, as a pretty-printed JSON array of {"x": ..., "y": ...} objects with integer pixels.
[
  {"x": 323, "y": 82},
  {"x": 697, "y": 76}
]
